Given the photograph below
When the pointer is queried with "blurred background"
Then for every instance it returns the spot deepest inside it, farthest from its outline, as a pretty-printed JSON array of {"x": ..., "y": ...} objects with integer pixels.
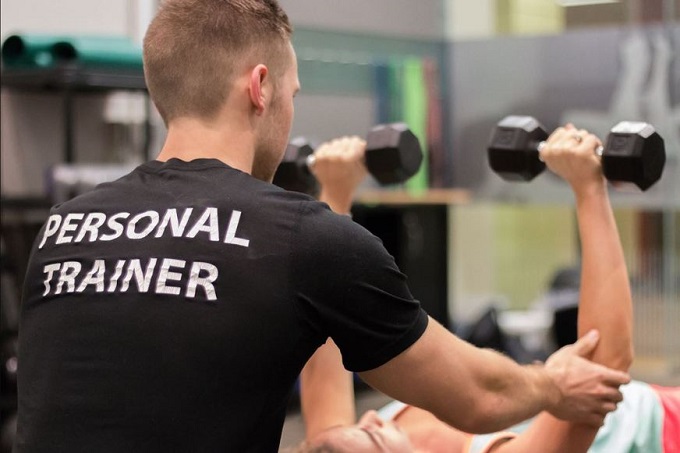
[{"x": 472, "y": 244}]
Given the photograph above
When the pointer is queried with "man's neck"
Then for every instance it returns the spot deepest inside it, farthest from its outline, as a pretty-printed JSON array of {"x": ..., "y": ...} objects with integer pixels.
[{"x": 190, "y": 139}]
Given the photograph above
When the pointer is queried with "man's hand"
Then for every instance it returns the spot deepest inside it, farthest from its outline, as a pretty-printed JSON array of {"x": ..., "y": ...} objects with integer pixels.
[
  {"x": 339, "y": 168},
  {"x": 587, "y": 391}
]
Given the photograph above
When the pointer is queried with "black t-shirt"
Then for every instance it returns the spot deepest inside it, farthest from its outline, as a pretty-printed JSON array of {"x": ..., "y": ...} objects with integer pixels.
[{"x": 173, "y": 309}]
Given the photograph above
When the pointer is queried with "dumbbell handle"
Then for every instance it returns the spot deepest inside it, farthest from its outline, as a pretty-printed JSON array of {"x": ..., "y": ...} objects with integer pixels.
[
  {"x": 310, "y": 160},
  {"x": 598, "y": 151},
  {"x": 393, "y": 154}
]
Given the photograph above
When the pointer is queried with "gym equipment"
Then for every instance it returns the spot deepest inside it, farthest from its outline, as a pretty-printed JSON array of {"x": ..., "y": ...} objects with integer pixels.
[
  {"x": 633, "y": 152},
  {"x": 293, "y": 172},
  {"x": 28, "y": 51},
  {"x": 393, "y": 155},
  {"x": 41, "y": 51}
]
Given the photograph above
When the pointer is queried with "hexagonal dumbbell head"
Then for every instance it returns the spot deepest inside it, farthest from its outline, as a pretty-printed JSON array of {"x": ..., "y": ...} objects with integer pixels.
[
  {"x": 393, "y": 153},
  {"x": 293, "y": 172},
  {"x": 513, "y": 148},
  {"x": 634, "y": 153}
]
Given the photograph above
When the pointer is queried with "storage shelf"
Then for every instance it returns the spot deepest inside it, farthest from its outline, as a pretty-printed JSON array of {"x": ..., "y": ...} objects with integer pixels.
[
  {"x": 74, "y": 78},
  {"x": 404, "y": 197},
  {"x": 71, "y": 79}
]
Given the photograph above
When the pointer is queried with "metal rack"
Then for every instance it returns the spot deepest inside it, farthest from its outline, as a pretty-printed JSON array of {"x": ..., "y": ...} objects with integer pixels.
[{"x": 72, "y": 79}]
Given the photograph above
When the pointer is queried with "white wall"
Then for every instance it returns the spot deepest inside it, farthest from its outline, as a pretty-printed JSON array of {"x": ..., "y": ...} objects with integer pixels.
[
  {"x": 465, "y": 19},
  {"x": 405, "y": 18},
  {"x": 65, "y": 16}
]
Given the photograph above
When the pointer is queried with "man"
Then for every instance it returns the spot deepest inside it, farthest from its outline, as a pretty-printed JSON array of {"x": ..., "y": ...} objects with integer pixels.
[
  {"x": 647, "y": 420},
  {"x": 173, "y": 309}
]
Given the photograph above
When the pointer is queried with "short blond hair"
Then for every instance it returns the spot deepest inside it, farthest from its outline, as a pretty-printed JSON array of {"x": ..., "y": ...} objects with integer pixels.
[{"x": 192, "y": 48}]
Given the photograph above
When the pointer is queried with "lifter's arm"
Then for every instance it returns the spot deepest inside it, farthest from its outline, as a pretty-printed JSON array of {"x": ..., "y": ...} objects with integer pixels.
[
  {"x": 326, "y": 391},
  {"x": 605, "y": 298}
]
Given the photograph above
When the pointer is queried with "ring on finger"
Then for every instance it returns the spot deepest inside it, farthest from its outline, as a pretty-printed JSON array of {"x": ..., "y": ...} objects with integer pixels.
[{"x": 541, "y": 147}]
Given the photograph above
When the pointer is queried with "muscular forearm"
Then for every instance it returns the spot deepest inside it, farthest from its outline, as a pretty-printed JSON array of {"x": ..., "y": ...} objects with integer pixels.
[
  {"x": 510, "y": 393},
  {"x": 474, "y": 390}
]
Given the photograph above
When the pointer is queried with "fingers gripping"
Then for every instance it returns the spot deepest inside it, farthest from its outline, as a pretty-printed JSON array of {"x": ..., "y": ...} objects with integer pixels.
[
  {"x": 568, "y": 139},
  {"x": 588, "y": 390}
]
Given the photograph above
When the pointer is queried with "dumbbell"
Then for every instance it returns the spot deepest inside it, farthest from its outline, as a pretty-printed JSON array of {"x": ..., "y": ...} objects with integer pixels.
[
  {"x": 633, "y": 152},
  {"x": 393, "y": 155}
]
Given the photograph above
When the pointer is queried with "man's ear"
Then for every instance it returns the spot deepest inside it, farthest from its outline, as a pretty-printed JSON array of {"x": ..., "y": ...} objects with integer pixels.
[{"x": 258, "y": 93}]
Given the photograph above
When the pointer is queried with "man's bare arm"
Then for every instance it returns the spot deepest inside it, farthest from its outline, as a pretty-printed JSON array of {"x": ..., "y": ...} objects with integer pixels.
[{"x": 478, "y": 390}]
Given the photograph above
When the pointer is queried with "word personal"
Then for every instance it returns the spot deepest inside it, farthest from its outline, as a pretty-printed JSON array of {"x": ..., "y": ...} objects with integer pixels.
[{"x": 98, "y": 226}]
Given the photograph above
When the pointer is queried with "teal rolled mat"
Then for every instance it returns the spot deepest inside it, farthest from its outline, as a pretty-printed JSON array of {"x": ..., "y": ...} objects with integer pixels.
[
  {"x": 29, "y": 50},
  {"x": 96, "y": 51},
  {"x": 87, "y": 51}
]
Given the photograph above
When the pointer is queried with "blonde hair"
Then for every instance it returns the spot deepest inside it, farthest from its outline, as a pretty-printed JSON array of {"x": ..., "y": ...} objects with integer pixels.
[{"x": 192, "y": 48}]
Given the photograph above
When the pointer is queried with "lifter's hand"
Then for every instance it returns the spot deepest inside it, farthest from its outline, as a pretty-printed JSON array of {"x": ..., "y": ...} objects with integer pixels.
[
  {"x": 570, "y": 153},
  {"x": 587, "y": 391},
  {"x": 339, "y": 168}
]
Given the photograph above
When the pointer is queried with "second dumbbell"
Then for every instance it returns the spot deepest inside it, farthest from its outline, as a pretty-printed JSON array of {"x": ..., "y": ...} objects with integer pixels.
[
  {"x": 393, "y": 154},
  {"x": 633, "y": 152}
]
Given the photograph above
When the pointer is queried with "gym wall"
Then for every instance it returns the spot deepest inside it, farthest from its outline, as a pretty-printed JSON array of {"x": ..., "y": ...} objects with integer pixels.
[
  {"x": 29, "y": 150},
  {"x": 593, "y": 78}
]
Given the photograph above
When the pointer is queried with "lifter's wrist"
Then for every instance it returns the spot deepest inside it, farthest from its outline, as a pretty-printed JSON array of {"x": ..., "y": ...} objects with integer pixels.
[
  {"x": 596, "y": 188},
  {"x": 340, "y": 204}
]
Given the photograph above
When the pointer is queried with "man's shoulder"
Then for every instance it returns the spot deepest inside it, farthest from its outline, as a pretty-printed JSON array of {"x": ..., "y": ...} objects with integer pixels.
[{"x": 317, "y": 220}]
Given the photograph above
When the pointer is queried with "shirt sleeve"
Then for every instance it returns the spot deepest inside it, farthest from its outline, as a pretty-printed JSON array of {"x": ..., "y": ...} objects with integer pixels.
[{"x": 348, "y": 287}]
